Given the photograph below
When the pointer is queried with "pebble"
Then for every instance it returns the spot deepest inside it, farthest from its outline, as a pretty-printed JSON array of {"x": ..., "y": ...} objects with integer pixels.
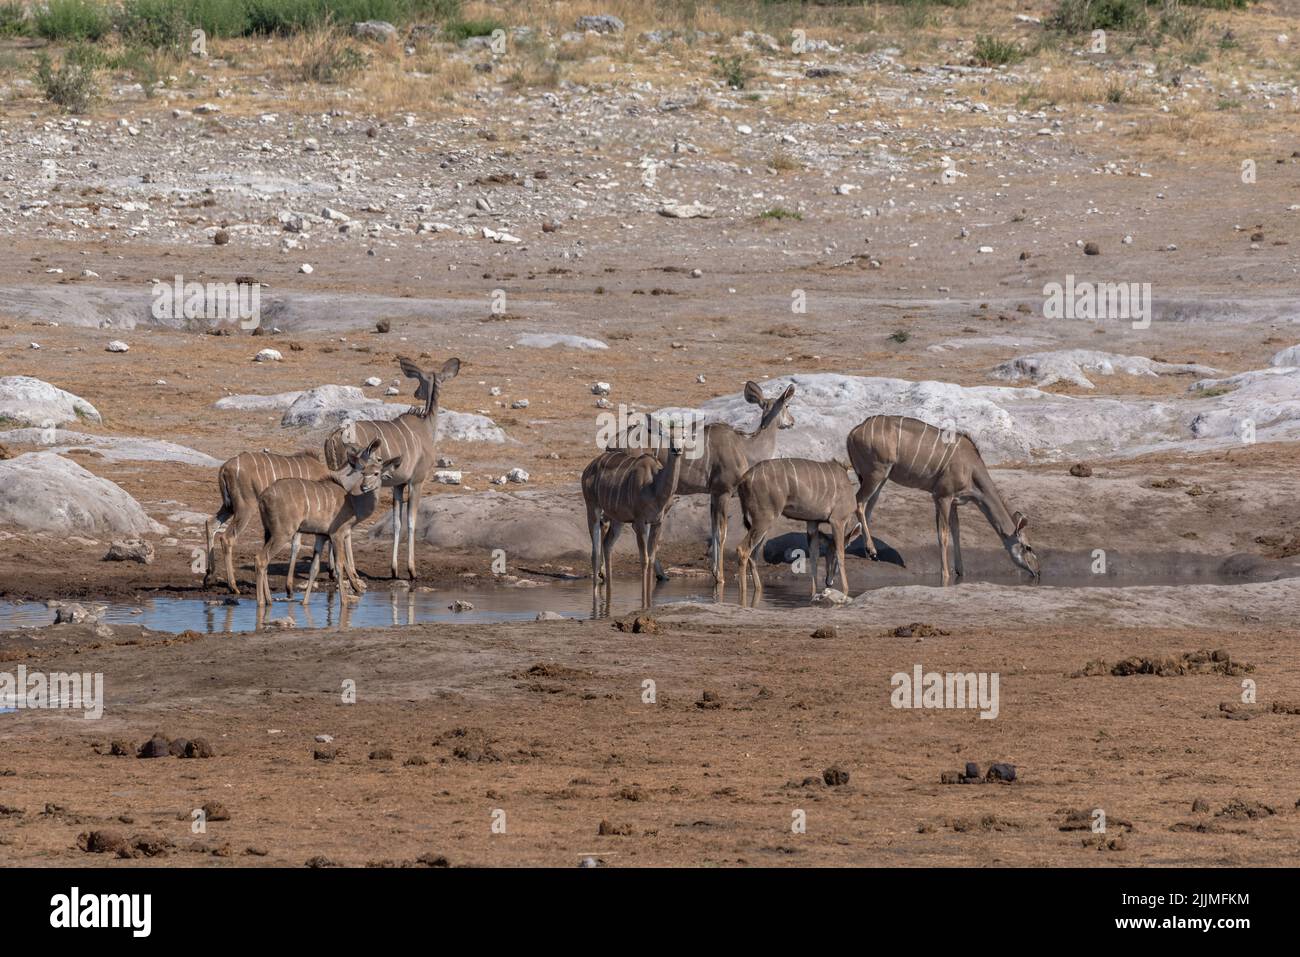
[{"x": 117, "y": 345}]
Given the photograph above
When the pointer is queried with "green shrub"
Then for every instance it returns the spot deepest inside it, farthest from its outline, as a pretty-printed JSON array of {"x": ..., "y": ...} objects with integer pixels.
[
  {"x": 457, "y": 29},
  {"x": 1084, "y": 16},
  {"x": 734, "y": 70},
  {"x": 159, "y": 24},
  {"x": 71, "y": 86},
  {"x": 991, "y": 51},
  {"x": 73, "y": 20},
  {"x": 13, "y": 19}
]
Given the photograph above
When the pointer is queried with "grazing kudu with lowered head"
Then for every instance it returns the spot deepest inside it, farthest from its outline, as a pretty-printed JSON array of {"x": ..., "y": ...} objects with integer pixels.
[
  {"x": 327, "y": 508},
  {"x": 241, "y": 480},
  {"x": 807, "y": 491},
  {"x": 721, "y": 459},
  {"x": 944, "y": 463},
  {"x": 411, "y": 436},
  {"x": 629, "y": 486}
]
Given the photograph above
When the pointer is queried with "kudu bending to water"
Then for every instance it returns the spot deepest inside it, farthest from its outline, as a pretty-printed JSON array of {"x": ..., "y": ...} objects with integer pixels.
[
  {"x": 944, "y": 463},
  {"x": 722, "y": 458},
  {"x": 629, "y": 486},
  {"x": 242, "y": 479},
  {"x": 412, "y": 437},
  {"x": 812, "y": 492},
  {"x": 327, "y": 508}
]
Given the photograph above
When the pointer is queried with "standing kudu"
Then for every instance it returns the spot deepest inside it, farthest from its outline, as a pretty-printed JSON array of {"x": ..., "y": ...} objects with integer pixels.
[
  {"x": 327, "y": 508},
  {"x": 412, "y": 436},
  {"x": 944, "y": 463},
  {"x": 723, "y": 457},
  {"x": 242, "y": 479},
  {"x": 628, "y": 486},
  {"x": 812, "y": 492}
]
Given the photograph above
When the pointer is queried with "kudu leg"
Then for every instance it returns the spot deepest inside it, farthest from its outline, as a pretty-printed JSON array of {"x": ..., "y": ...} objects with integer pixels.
[
  {"x": 294, "y": 545},
  {"x": 814, "y": 552},
  {"x": 211, "y": 530},
  {"x": 955, "y": 525},
  {"x": 412, "y": 511},
  {"x": 397, "y": 528},
  {"x": 868, "y": 492},
  {"x": 612, "y": 531},
  {"x": 317, "y": 549},
  {"x": 652, "y": 546},
  {"x": 597, "y": 535},
  {"x": 745, "y": 560},
  {"x": 942, "y": 510},
  {"x": 357, "y": 583},
  {"x": 718, "y": 510},
  {"x": 227, "y": 538},
  {"x": 839, "y": 533},
  {"x": 644, "y": 553}
]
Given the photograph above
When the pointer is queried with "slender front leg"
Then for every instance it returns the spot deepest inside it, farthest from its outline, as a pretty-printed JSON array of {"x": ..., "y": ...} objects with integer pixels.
[
  {"x": 293, "y": 563},
  {"x": 942, "y": 506},
  {"x": 719, "y": 507},
  {"x": 316, "y": 551},
  {"x": 397, "y": 528},
  {"x": 652, "y": 546},
  {"x": 340, "y": 568},
  {"x": 412, "y": 512},
  {"x": 955, "y": 525},
  {"x": 228, "y": 536},
  {"x": 612, "y": 531},
  {"x": 593, "y": 525},
  {"x": 838, "y": 532},
  {"x": 352, "y": 564},
  {"x": 814, "y": 549},
  {"x": 640, "y": 529}
]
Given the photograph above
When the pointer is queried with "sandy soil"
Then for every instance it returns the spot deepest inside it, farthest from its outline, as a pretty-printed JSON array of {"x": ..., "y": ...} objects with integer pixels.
[{"x": 545, "y": 722}]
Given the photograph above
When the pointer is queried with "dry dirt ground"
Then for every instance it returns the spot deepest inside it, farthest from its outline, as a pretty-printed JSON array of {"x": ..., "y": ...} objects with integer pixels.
[{"x": 543, "y": 725}]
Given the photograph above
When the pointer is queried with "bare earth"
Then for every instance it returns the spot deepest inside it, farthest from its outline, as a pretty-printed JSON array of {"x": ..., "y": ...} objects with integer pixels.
[{"x": 544, "y": 726}]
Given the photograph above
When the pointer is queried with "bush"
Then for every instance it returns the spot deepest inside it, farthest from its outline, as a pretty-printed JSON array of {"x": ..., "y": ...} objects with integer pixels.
[
  {"x": 13, "y": 19},
  {"x": 71, "y": 86},
  {"x": 990, "y": 51},
  {"x": 457, "y": 29},
  {"x": 328, "y": 58},
  {"x": 159, "y": 24},
  {"x": 73, "y": 20},
  {"x": 1084, "y": 16},
  {"x": 734, "y": 69}
]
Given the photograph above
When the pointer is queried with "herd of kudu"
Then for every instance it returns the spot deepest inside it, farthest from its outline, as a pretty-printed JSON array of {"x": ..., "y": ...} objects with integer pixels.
[{"x": 633, "y": 482}]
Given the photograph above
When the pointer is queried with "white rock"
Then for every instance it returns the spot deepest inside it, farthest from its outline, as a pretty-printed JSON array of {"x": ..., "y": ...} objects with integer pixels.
[
  {"x": 600, "y": 388},
  {"x": 117, "y": 345},
  {"x": 517, "y": 476},
  {"x": 257, "y": 403},
  {"x": 447, "y": 476},
  {"x": 695, "y": 210},
  {"x": 374, "y": 381},
  {"x": 1290, "y": 356},
  {"x": 30, "y": 401},
  {"x": 268, "y": 355},
  {"x": 46, "y": 493},
  {"x": 545, "y": 340},
  {"x": 113, "y": 448},
  {"x": 1069, "y": 365},
  {"x": 829, "y": 598},
  {"x": 306, "y": 269}
]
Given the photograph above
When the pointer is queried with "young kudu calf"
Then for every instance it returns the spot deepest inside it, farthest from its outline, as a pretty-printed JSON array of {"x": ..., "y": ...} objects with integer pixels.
[
  {"x": 944, "y": 463},
  {"x": 242, "y": 479},
  {"x": 722, "y": 458},
  {"x": 412, "y": 437},
  {"x": 812, "y": 492},
  {"x": 327, "y": 508},
  {"x": 628, "y": 486}
]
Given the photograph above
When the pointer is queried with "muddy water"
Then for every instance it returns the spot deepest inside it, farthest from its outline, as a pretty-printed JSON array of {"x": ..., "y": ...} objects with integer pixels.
[{"x": 384, "y": 605}]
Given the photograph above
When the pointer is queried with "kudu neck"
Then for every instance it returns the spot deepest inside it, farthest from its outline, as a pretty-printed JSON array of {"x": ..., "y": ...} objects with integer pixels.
[{"x": 991, "y": 499}]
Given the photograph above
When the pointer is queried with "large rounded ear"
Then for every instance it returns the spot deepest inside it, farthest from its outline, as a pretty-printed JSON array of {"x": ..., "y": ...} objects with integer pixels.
[
  {"x": 789, "y": 392},
  {"x": 449, "y": 370},
  {"x": 753, "y": 393},
  {"x": 373, "y": 447},
  {"x": 352, "y": 453},
  {"x": 390, "y": 466},
  {"x": 1020, "y": 520}
]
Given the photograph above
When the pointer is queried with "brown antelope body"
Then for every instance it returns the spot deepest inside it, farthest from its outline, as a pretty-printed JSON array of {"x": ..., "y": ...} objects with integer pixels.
[
  {"x": 620, "y": 487},
  {"x": 807, "y": 491},
  {"x": 327, "y": 508},
  {"x": 242, "y": 480},
  {"x": 945, "y": 463},
  {"x": 412, "y": 437}
]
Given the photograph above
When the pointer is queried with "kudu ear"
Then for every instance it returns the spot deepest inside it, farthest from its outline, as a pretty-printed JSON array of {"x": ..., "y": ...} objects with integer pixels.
[
  {"x": 390, "y": 466},
  {"x": 412, "y": 371},
  {"x": 788, "y": 394},
  {"x": 352, "y": 453},
  {"x": 372, "y": 448},
  {"x": 449, "y": 370},
  {"x": 753, "y": 393},
  {"x": 1020, "y": 520}
]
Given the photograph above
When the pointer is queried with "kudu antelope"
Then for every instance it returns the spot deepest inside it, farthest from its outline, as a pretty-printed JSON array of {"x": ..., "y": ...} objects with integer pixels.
[
  {"x": 629, "y": 486},
  {"x": 412, "y": 436},
  {"x": 944, "y": 463},
  {"x": 723, "y": 457},
  {"x": 241, "y": 480},
  {"x": 811, "y": 492},
  {"x": 327, "y": 508}
]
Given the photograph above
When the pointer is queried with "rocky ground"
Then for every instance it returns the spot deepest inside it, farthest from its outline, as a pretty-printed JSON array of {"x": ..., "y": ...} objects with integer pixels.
[{"x": 634, "y": 220}]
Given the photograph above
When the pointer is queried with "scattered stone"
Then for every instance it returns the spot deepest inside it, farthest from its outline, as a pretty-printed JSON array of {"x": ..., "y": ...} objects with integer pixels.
[
  {"x": 709, "y": 701},
  {"x": 829, "y": 598},
  {"x": 1091, "y": 249},
  {"x": 215, "y": 811},
  {"x": 130, "y": 551},
  {"x": 607, "y": 829},
  {"x": 1081, "y": 470},
  {"x": 638, "y": 624},
  {"x": 917, "y": 629},
  {"x": 835, "y": 776},
  {"x": 117, "y": 345},
  {"x": 381, "y": 754},
  {"x": 156, "y": 747},
  {"x": 1200, "y": 806},
  {"x": 268, "y": 355},
  {"x": 460, "y": 605},
  {"x": 999, "y": 771},
  {"x": 600, "y": 23},
  {"x": 379, "y": 30},
  {"x": 825, "y": 632}
]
